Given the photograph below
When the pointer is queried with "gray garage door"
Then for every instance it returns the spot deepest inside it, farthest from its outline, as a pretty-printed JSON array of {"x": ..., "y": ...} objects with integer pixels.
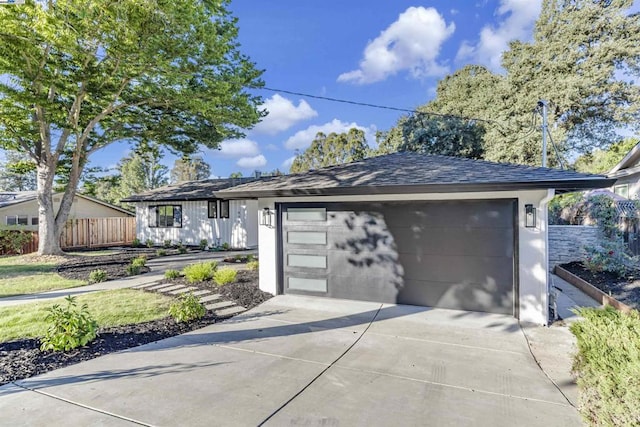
[{"x": 449, "y": 254}]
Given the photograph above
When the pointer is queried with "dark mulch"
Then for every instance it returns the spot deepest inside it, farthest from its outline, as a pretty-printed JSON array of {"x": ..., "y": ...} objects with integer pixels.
[
  {"x": 625, "y": 289},
  {"x": 115, "y": 265},
  {"x": 23, "y": 358}
]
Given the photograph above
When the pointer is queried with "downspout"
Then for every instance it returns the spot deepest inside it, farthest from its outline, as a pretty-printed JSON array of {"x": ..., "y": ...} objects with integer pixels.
[{"x": 543, "y": 208}]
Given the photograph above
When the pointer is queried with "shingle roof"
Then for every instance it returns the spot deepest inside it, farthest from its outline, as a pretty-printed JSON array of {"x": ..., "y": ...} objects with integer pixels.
[
  {"x": 190, "y": 190},
  {"x": 413, "y": 173},
  {"x": 8, "y": 198}
]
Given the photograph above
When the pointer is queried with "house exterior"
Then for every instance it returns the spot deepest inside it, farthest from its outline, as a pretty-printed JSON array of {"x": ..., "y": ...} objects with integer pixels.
[
  {"x": 20, "y": 209},
  {"x": 192, "y": 211},
  {"x": 627, "y": 175},
  {"x": 413, "y": 229}
]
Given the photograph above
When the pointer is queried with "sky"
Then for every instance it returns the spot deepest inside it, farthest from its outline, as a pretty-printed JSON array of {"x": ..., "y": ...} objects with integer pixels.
[{"x": 390, "y": 53}]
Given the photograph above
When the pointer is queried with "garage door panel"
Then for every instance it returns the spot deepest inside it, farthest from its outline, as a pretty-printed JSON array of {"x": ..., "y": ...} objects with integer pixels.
[{"x": 457, "y": 296}]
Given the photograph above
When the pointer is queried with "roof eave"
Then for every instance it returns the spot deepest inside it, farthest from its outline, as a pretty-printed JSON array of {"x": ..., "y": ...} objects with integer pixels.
[{"x": 566, "y": 185}]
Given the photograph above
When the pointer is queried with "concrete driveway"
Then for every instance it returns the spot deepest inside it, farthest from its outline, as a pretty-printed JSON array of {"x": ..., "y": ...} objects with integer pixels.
[{"x": 308, "y": 361}]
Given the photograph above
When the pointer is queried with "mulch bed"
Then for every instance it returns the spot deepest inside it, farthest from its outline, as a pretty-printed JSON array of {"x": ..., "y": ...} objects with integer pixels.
[
  {"x": 115, "y": 265},
  {"x": 23, "y": 358},
  {"x": 624, "y": 289}
]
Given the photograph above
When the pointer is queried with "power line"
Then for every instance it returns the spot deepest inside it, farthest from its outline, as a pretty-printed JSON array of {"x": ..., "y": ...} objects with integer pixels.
[{"x": 384, "y": 107}]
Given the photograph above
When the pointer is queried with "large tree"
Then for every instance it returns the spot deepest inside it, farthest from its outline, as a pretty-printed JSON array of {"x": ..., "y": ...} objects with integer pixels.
[
  {"x": 602, "y": 161},
  {"x": 190, "y": 168},
  {"x": 80, "y": 75},
  {"x": 17, "y": 173},
  {"x": 332, "y": 149}
]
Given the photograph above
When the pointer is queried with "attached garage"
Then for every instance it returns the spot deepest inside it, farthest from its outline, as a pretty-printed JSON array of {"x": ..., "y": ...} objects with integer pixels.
[{"x": 414, "y": 229}]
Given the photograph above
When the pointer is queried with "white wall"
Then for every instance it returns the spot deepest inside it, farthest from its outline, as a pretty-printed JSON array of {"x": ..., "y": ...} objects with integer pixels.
[
  {"x": 239, "y": 230},
  {"x": 532, "y": 243}
]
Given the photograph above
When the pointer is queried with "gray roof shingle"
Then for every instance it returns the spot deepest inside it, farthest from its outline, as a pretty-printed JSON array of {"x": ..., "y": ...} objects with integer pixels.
[
  {"x": 413, "y": 173},
  {"x": 190, "y": 190}
]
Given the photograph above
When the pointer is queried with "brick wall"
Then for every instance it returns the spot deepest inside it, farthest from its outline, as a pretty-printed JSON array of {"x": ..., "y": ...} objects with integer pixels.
[{"x": 566, "y": 242}]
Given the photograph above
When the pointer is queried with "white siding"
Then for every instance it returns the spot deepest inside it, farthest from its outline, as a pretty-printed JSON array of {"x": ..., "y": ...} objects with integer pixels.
[
  {"x": 532, "y": 243},
  {"x": 239, "y": 230}
]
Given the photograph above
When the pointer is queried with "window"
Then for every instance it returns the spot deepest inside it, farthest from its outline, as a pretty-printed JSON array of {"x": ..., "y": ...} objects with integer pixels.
[
  {"x": 17, "y": 220},
  {"x": 34, "y": 220},
  {"x": 224, "y": 209},
  {"x": 212, "y": 207},
  {"x": 307, "y": 214},
  {"x": 622, "y": 190},
  {"x": 165, "y": 216}
]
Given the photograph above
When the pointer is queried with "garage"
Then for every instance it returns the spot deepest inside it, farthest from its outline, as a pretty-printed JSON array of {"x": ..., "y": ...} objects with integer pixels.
[{"x": 447, "y": 254}]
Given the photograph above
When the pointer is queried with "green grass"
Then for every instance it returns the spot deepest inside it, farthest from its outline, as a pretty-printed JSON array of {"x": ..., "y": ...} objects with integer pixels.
[
  {"x": 108, "y": 308},
  {"x": 18, "y": 277}
]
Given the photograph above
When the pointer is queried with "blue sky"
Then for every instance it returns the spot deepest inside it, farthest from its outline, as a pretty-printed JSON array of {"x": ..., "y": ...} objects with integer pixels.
[{"x": 373, "y": 51}]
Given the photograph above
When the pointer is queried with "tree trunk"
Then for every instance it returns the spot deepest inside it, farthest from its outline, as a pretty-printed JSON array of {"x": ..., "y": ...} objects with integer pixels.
[{"x": 48, "y": 234}]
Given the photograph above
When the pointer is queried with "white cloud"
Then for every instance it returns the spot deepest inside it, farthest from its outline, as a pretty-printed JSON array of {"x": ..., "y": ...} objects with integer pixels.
[
  {"x": 517, "y": 20},
  {"x": 283, "y": 114},
  {"x": 252, "y": 162},
  {"x": 239, "y": 148},
  {"x": 411, "y": 43},
  {"x": 302, "y": 139},
  {"x": 272, "y": 147},
  {"x": 287, "y": 163}
]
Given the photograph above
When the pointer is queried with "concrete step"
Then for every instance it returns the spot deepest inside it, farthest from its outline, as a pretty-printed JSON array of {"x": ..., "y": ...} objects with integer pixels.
[
  {"x": 160, "y": 286},
  {"x": 182, "y": 291},
  {"x": 230, "y": 311},
  {"x": 208, "y": 298},
  {"x": 171, "y": 288},
  {"x": 217, "y": 305},
  {"x": 202, "y": 292},
  {"x": 146, "y": 285}
]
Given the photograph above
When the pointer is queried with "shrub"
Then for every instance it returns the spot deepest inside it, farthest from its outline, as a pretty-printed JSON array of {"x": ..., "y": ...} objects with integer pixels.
[
  {"x": 253, "y": 265},
  {"x": 225, "y": 246},
  {"x": 199, "y": 272},
  {"x": 250, "y": 257},
  {"x": 97, "y": 276},
  {"x": 12, "y": 241},
  {"x": 171, "y": 274},
  {"x": 140, "y": 261},
  {"x": 136, "y": 243},
  {"x": 182, "y": 249},
  {"x": 203, "y": 244},
  {"x": 187, "y": 307},
  {"x": 70, "y": 327},
  {"x": 607, "y": 366},
  {"x": 161, "y": 252},
  {"x": 224, "y": 276},
  {"x": 133, "y": 270},
  {"x": 149, "y": 243},
  {"x": 167, "y": 244}
]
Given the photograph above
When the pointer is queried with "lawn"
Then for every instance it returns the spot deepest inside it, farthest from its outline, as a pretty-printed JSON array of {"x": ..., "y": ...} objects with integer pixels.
[
  {"x": 108, "y": 308},
  {"x": 19, "y": 276}
]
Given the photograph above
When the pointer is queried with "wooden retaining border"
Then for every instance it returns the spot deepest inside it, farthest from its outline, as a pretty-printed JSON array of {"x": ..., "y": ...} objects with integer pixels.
[{"x": 591, "y": 290}]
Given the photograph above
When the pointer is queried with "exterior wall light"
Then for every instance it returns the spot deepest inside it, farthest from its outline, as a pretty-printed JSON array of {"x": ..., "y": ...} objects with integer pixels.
[
  {"x": 529, "y": 216},
  {"x": 267, "y": 217}
]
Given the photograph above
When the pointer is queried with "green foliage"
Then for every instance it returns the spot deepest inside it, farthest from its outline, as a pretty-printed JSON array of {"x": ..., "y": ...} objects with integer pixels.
[
  {"x": 253, "y": 265},
  {"x": 161, "y": 252},
  {"x": 97, "y": 276},
  {"x": 171, "y": 274},
  {"x": 12, "y": 241},
  {"x": 610, "y": 255},
  {"x": 69, "y": 327},
  {"x": 602, "y": 208},
  {"x": 81, "y": 71},
  {"x": 136, "y": 243},
  {"x": 568, "y": 208},
  {"x": 133, "y": 270},
  {"x": 139, "y": 261},
  {"x": 17, "y": 172},
  {"x": 149, "y": 243},
  {"x": 607, "y": 366},
  {"x": 224, "y": 276},
  {"x": 200, "y": 272},
  {"x": 192, "y": 168},
  {"x": 225, "y": 246},
  {"x": 203, "y": 244},
  {"x": 166, "y": 243},
  {"x": 250, "y": 257},
  {"x": 188, "y": 307},
  {"x": 602, "y": 161},
  {"x": 181, "y": 248},
  {"x": 334, "y": 149}
]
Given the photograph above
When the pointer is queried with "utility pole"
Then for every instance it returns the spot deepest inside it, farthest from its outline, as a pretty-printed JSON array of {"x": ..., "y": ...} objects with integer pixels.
[{"x": 542, "y": 103}]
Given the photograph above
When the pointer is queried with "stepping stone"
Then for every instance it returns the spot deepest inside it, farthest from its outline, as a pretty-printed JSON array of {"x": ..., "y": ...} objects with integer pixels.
[
  {"x": 160, "y": 286},
  {"x": 171, "y": 288},
  {"x": 182, "y": 291},
  {"x": 201, "y": 292},
  {"x": 145, "y": 285},
  {"x": 217, "y": 305},
  {"x": 230, "y": 311},
  {"x": 208, "y": 298}
]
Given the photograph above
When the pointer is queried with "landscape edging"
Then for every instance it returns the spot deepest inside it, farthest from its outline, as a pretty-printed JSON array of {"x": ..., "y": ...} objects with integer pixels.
[{"x": 591, "y": 290}]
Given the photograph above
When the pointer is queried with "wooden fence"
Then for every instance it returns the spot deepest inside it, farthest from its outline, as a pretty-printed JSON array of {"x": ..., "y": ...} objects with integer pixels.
[{"x": 86, "y": 233}]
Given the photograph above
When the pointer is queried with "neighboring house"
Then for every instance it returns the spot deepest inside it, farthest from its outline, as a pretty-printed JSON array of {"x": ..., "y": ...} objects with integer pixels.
[
  {"x": 413, "y": 229},
  {"x": 627, "y": 174},
  {"x": 20, "y": 208},
  {"x": 192, "y": 211}
]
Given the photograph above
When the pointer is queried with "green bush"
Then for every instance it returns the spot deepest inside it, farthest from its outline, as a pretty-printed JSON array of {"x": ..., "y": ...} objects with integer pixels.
[
  {"x": 70, "y": 327},
  {"x": 97, "y": 276},
  {"x": 136, "y": 243},
  {"x": 607, "y": 366},
  {"x": 199, "y": 272},
  {"x": 161, "y": 252},
  {"x": 149, "y": 243},
  {"x": 140, "y": 261},
  {"x": 171, "y": 274},
  {"x": 224, "y": 276},
  {"x": 167, "y": 243},
  {"x": 12, "y": 241},
  {"x": 133, "y": 270},
  {"x": 253, "y": 265},
  {"x": 225, "y": 246},
  {"x": 203, "y": 244},
  {"x": 182, "y": 249},
  {"x": 187, "y": 307},
  {"x": 250, "y": 257}
]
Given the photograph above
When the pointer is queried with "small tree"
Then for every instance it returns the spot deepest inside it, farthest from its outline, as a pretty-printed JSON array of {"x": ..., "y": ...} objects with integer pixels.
[{"x": 332, "y": 149}]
